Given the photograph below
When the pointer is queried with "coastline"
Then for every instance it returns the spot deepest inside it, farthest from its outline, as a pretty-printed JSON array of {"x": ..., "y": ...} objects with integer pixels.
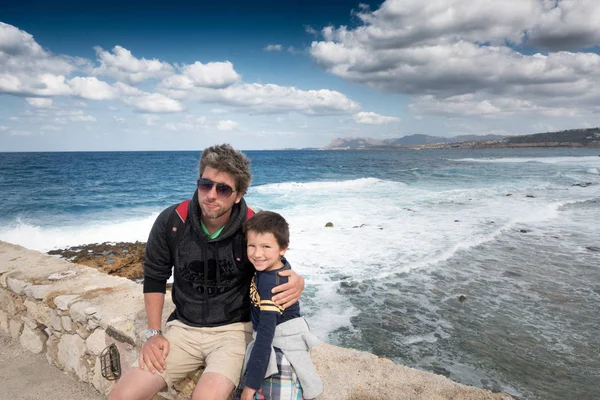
[{"x": 70, "y": 312}]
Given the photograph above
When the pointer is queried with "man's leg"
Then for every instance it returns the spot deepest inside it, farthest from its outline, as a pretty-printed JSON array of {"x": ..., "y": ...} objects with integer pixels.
[
  {"x": 183, "y": 358},
  {"x": 137, "y": 384},
  {"x": 225, "y": 347},
  {"x": 213, "y": 386}
]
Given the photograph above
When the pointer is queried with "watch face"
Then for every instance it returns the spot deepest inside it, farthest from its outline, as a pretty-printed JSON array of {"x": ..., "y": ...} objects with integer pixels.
[{"x": 152, "y": 332}]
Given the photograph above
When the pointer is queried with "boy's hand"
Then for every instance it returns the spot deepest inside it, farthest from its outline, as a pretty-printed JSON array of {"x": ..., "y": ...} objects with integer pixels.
[
  {"x": 290, "y": 292},
  {"x": 247, "y": 393},
  {"x": 153, "y": 354}
]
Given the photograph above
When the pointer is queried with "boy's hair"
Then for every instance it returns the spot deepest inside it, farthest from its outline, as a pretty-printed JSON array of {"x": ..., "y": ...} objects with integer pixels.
[
  {"x": 270, "y": 222},
  {"x": 225, "y": 158}
]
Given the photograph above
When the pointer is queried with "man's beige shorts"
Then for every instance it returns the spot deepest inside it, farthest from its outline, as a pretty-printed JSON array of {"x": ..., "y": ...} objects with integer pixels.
[{"x": 219, "y": 349}]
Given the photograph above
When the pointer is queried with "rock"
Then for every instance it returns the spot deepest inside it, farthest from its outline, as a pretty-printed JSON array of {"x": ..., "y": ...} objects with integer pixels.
[
  {"x": 122, "y": 259},
  {"x": 530, "y": 196},
  {"x": 16, "y": 285},
  {"x": 4, "y": 322},
  {"x": 524, "y": 231},
  {"x": 440, "y": 371},
  {"x": 96, "y": 342},
  {"x": 71, "y": 350},
  {"x": 33, "y": 340},
  {"x": 55, "y": 320},
  {"x": 595, "y": 249},
  {"x": 329, "y": 225},
  {"x": 61, "y": 275},
  {"x": 356, "y": 226},
  {"x": 456, "y": 220},
  {"x": 67, "y": 323},
  {"x": 583, "y": 184},
  {"x": 462, "y": 298},
  {"x": 15, "y": 328},
  {"x": 64, "y": 302},
  {"x": 508, "y": 194}
]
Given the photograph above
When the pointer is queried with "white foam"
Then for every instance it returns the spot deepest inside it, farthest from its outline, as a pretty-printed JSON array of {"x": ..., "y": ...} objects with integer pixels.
[
  {"x": 328, "y": 186},
  {"x": 587, "y": 160},
  {"x": 48, "y": 238}
]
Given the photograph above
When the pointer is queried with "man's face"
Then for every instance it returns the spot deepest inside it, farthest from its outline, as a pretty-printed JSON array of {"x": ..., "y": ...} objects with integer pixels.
[{"x": 213, "y": 204}]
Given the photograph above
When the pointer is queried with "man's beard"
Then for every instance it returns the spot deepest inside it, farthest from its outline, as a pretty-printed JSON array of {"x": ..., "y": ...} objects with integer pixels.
[{"x": 213, "y": 213}]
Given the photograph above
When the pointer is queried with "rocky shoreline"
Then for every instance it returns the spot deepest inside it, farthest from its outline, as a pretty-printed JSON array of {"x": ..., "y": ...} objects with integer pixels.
[{"x": 124, "y": 259}]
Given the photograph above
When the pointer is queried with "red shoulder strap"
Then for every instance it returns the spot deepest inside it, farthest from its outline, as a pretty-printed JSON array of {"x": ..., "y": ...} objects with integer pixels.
[
  {"x": 182, "y": 210},
  {"x": 250, "y": 213}
]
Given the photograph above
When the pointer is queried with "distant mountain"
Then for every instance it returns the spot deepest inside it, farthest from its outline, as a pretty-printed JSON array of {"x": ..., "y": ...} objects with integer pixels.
[
  {"x": 568, "y": 138},
  {"x": 353, "y": 143},
  {"x": 576, "y": 136},
  {"x": 410, "y": 140}
]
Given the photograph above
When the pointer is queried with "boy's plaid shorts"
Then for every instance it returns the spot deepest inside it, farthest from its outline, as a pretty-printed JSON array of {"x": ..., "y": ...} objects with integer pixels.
[{"x": 283, "y": 385}]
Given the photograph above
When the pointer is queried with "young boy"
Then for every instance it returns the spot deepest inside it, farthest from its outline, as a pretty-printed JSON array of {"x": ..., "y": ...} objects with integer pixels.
[{"x": 278, "y": 364}]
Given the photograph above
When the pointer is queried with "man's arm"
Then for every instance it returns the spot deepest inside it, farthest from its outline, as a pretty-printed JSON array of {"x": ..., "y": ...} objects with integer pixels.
[
  {"x": 157, "y": 269},
  {"x": 155, "y": 350},
  {"x": 290, "y": 292}
]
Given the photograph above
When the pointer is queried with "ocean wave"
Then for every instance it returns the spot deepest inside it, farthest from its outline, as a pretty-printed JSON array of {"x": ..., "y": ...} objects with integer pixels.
[
  {"x": 325, "y": 186},
  {"x": 55, "y": 237},
  {"x": 587, "y": 160}
]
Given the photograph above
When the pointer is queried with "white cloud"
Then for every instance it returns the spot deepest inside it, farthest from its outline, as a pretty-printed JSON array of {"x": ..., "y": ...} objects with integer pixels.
[
  {"x": 198, "y": 75},
  {"x": 227, "y": 125},
  {"x": 92, "y": 89},
  {"x": 446, "y": 50},
  {"x": 219, "y": 111},
  {"x": 39, "y": 102},
  {"x": 16, "y": 42},
  {"x": 154, "y": 103},
  {"x": 76, "y": 115},
  {"x": 373, "y": 118},
  {"x": 273, "y": 47},
  {"x": 122, "y": 65},
  {"x": 310, "y": 30},
  {"x": 272, "y": 98},
  {"x": 3, "y": 128}
]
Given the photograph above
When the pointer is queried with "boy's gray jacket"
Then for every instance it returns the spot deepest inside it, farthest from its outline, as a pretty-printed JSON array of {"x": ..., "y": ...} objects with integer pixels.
[{"x": 295, "y": 340}]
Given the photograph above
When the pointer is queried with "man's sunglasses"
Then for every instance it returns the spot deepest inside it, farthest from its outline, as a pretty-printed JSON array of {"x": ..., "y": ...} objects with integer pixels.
[{"x": 224, "y": 191}]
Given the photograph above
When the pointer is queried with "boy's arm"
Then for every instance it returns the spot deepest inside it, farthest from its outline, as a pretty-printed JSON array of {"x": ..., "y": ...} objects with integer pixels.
[
  {"x": 269, "y": 313},
  {"x": 261, "y": 352}
]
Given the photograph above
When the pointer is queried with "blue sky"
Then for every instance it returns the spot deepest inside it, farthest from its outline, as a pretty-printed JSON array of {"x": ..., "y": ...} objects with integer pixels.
[{"x": 272, "y": 74}]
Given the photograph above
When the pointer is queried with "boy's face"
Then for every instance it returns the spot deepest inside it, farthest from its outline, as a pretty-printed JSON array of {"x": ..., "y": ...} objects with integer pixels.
[{"x": 264, "y": 251}]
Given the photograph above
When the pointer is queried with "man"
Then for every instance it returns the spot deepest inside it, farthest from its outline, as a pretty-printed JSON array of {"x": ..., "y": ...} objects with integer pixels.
[{"x": 210, "y": 325}]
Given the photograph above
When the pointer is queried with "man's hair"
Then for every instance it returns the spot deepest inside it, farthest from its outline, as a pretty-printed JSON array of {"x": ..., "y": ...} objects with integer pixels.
[
  {"x": 225, "y": 158},
  {"x": 270, "y": 222}
]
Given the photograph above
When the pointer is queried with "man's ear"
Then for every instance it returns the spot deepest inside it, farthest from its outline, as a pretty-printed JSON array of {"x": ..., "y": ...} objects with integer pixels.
[{"x": 238, "y": 197}]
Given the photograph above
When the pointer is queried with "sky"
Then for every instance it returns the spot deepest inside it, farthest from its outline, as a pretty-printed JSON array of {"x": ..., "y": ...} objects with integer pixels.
[{"x": 128, "y": 75}]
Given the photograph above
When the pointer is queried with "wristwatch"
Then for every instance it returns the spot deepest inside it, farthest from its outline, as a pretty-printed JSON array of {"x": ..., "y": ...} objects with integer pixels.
[{"x": 152, "y": 332}]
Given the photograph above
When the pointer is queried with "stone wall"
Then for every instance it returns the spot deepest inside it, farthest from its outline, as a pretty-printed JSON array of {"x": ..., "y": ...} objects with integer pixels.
[{"x": 71, "y": 313}]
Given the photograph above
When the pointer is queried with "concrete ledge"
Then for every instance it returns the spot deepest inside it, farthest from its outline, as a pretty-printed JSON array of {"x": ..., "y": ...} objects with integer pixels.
[{"x": 71, "y": 313}]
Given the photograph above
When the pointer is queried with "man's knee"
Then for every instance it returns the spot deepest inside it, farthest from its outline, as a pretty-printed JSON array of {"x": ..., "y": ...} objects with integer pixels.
[
  {"x": 213, "y": 386},
  {"x": 137, "y": 384}
]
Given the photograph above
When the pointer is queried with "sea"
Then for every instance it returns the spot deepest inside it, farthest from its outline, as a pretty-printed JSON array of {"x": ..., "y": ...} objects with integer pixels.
[{"x": 480, "y": 265}]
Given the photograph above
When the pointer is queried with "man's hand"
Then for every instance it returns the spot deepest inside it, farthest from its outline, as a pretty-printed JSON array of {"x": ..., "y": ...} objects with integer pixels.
[
  {"x": 290, "y": 292},
  {"x": 153, "y": 354},
  {"x": 247, "y": 393}
]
